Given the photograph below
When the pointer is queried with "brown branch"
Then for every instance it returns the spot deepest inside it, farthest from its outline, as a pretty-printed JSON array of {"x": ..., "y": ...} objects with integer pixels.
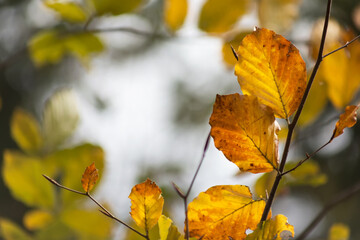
[
  {"x": 104, "y": 210},
  {"x": 341, "y": 197},
  {"x": 344, "y": 46},
  {"x": 292, "y": 125}
]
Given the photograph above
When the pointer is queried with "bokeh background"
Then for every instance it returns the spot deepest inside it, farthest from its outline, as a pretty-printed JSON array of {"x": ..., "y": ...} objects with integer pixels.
[{"x": 140, "y": 91}]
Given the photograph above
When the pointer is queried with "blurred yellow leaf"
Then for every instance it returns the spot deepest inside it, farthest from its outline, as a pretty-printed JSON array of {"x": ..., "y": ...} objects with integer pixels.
[
  {"x": 23, "y": 176},
  {"x": 37, "y": 219},
  {"x": 25, "y": 130},
  {"x": 10, "y": 231},
  {"x": 220, "y": 16},
  {"x": 339, "y": 231},
  {"x": 146, "y": 204},
  {"x": 167, "y": 230},
  {"x": 245, "y": 131},
  {"x": 346, "y": 120},
  {"x": 89, "y": 177},
  {"x": 224, "y": 211},
  {"x": 69, "y": 11},
  {"x": 278, "y": 15},
  {"x": 264, "y": 184},
  {"x": 276, "y": 228},
  {"x": 309, "y": 173},
  {"x": 56, "y": 230},
  {"x": 115, "y": 7},
  {"x": 60, "y": 118},
  {"x": 175, "y": 13},
  {"x": 271, "y": 68},
  {"x": 232, "y": 40}
]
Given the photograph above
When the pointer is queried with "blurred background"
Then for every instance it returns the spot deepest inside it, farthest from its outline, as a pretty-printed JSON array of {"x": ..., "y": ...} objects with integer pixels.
[{"x": 130, "y": 85}]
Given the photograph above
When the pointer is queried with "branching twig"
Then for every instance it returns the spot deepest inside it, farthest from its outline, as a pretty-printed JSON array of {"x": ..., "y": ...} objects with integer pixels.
[
  {"x": 341, "y": 197},
  {"x": 185, "y": 196},
  {"x": 103, "y": 209},
  {"x": 344, "y": 46}
]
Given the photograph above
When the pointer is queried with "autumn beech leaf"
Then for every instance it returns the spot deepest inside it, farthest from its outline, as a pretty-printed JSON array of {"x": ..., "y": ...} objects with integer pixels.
[
  {"x": 276, "y": 228},
  {"x": 89, "y": 177},
  {"x": 224, "y": 211},
  {"x": 167, "y": 230},
  {"x": 245, "y": 131},
  {"x": 146, "y": 204},
  {"x": 271, "y": 68},
  {"x": 175, "y": 13},
  {"x": 346, "y": 120}
]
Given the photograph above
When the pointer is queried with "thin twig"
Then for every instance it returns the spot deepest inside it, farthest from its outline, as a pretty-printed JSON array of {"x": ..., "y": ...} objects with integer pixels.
[
  {"x": 344, "y": 46},
  {"x": 339, "y": 198},
  {"x": 292, "y": 125},
  {"x": 104, "y": 210}
]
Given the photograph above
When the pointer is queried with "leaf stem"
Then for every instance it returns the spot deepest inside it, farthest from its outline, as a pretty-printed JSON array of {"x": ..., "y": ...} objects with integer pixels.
[
  {"x": 292, "y": 125},
  {"x": 103, "y": 209}
]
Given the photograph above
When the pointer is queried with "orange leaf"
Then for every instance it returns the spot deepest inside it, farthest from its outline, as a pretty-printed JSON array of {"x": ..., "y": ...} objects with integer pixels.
[
  {"x": 89, "y": 177},
  {"x": 346, "y": 120},
  {"x": 271, "y": 68},
  {"x": 245, "y": 131},
  {"x": 146, "y": 204},
  {"x": 224, "y": 211}
]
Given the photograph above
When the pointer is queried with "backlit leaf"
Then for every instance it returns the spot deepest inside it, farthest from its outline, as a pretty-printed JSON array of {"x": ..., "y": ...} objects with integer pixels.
[
  {"x": 220, "y": 16},
  {"x": 245, "y": 131},
  {"x": 23, "y": 176},
  {"x": 146, "y": 204},
  {"x": 271, "y": 68},
  {"x": 25, "y": 130},
  {"x": 10, "y": 231},
  {"x": 233, "y": 40},
  {"x": 167, "y": 230},
  {"x": 276, "y": 228},
  {"x": 115, "y": 7},
  {"x": 37, "y": 219},
  {"x": 175, "y": 13},
  {"x": 89, "y": 177},
  {"x": 224, "y": 211},
  {"x": 69, "y": 11},
  {"x": 60, "y": 118},
  {"x": 346, "y": 120},
  {"x": 339, "y": 231},
  {"x": 278, "y": 15}
]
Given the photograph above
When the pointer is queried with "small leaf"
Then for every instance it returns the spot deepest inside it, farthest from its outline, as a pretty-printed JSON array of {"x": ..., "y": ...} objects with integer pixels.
[
  {"x": 115, "y": 7},
  {"x": 175, "y": 13},
  {"x": 220, "y": 16},
  {"x": 60, "y": 118},
  {"x": 25, "y": 130},
  {"x": 89, "y": 177},
  {"x": 346, "y": 120},
  {"x": 146, "y": 204},
  {"x": 69, "y": 11},
  {"x": 271, "y": 68},
  {"x": 224, "y": 211},
  {"x": 167, "y": 230},
  {"x": 276, "y": 228},
  {"x": 339, "y": 231},
  {"x": 37, "y": 219},
  {"x": 245, "y": 131},
  {"x": 10, "y": 231}
]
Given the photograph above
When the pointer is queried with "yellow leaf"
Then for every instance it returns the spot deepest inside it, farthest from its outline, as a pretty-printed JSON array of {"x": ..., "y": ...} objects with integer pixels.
[
  {"x": 10, "y": 231},
  {"x": 60, "y": 118},
  {"x": 23, "y": 176},
  {"x": 224, "y": 211},
  {"x": 115, "y": 7},
  {"x": 146, "y": 204},
  {"x": 25, "y": 130},
  {"x": 276, "y": 228},
  {"x": 37, "y": 219},
  {"x": 220, "y": 16},
  {"x": 271, "y": 68},
  {"x": 264, "y": 184},
  {"x": 309, "y": 173},
  {"x": 278, "y": 15},
  {"x": 69, "y": 11},
  {"x": 167, "y": 230},
  {"x": 89, "y": 177},
  {"x": 346, "y": 120},
  {"x": 175, "y": 13},
  {"x": 339, "y": 231},
  {"x": 233, "y": 40},
  {"x": 245, "y": 131}
]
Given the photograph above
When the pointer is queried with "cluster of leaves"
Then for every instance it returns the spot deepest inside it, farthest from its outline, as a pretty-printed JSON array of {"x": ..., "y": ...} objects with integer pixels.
[{"x": 42, "y": 151}]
